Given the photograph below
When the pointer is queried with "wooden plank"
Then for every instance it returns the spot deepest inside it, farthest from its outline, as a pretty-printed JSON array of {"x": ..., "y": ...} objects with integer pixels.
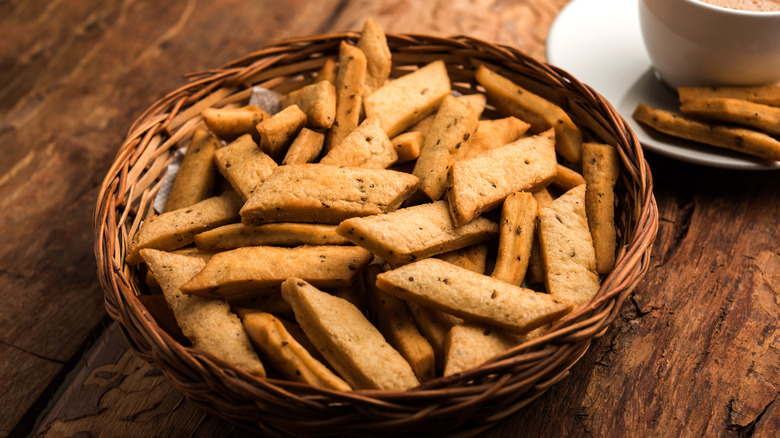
[
  {"x": 114, "y": 390},
  {"x": 75, "y": 74},
  {"x": 21, "y": 373},
  {"x": 694, "y": 352}
]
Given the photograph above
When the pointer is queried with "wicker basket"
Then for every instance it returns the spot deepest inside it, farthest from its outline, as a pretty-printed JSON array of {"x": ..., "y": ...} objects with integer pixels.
[{"x": 468, "y": 402}]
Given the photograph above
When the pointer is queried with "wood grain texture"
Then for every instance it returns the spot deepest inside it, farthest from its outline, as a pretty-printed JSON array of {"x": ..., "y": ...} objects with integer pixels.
[
  {"x": 695, "y": 351},
  {"x": 74, "y": 77}
]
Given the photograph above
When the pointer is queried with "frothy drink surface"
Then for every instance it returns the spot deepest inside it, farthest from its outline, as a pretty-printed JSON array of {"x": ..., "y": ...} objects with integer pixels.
[{"x": 747, "y": 5}]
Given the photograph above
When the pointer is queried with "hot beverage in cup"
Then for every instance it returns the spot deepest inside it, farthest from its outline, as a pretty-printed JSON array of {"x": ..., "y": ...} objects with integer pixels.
[
  {"x": 699, "y": 43},
  {"x": 747, "y": 5}
]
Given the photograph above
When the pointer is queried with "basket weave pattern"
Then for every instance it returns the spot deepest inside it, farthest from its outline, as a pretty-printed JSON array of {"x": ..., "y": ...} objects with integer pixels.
[{"x": 471, "y": 401}]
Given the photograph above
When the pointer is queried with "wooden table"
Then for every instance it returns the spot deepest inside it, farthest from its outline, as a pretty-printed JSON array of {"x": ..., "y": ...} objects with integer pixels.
[{"x": 696, "y": 350}]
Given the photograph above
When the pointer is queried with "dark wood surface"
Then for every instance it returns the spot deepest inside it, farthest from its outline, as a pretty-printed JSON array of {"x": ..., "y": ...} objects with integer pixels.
[{"x": 695, "y": 352}]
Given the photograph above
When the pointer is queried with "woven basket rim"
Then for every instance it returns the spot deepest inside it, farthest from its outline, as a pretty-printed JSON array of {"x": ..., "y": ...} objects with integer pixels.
[{"x": 188, "y": 368}]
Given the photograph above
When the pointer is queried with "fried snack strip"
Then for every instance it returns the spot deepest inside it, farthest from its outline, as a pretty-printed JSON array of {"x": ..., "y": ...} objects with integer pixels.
[
  {"x": 567, "y": 179},
  {"x": 474, "y": 101},
  {"x": 289, "y": 324},
  {"x": 230, "y": 123},
  {"x": 373, "y": 43},
  {"x": 491, "y": 134},
  {"x": 513, "y": 100},
  {"x": 395, "y": 322},
  {"x": 349, "y": 93},
  {"x": 260, "y": 267},
  {"x": 407, "y": 146},
  {"x": 452, "y": 127},
  {"x": 244, "y": 165},
  {"x": 279, "y": 130},
  {"x": 188, "y": 251},
  {"x": 405, "y": 101},
  {"x": 208, "y": 324},
  {"x": 415, "y": 232},
  {"x": 328, "y": 71},
  {"x": 738, "y": 139},
  {"x": 317, "y": 101},
  {"x": 276, "y": 234},
  {"x": 741, "y": 112},
  {"x": 367, "y": 146},
  {"x": 176, "y": 229},
  {"x": 567, "y": 249},
  {"x": 326, "y": 194},
  {"x": 516, "y": 238},
  {"x": 305, "y": 148},
  {"x": 600, "y": 168},
  {"x": 767, "y": 95},
  {"x": 482, "y": 182},
  {"x": 283, "y": 352},
  {"x": 350, "y": 343},
  {"x": 468, "y": 346},
  {"x": 434, "y": 326},
  {"x": 262, "y": 300},
  {"x": 473, "y": 258},
  {"x": 471, "y": 296},
  {"x": 163, "y": 316},
  {"x": 197, "y": 174},
  {"x": 535, "y": 272}
]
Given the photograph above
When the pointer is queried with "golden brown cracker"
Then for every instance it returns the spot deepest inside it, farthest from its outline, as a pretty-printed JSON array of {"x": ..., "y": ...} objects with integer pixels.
[
  {"x": 767, "y": 95},
  {"x": 350, "y": 343},
  {"x": 468, "y": 346},
  {"x": 729, "y": 137},
  {"x": 244, "y": 165},
  {"x": 513, "y": 100},
  {"x": 251, "y": 268},
  {"x": 328, "y": 71},
  {"x": 407, "y": 146},
  {"x": 285, "y": 354},
  {"x": 473, "y": 258},
  {"x": 230, "y": 123},
  {"x": 305, "y": 148},
  {"x": 741, "y": 112},
  {"x": 567, "y": 249},
  {"x": 471, "y": 296},
  {"x": 208, "y": 324},
  {"x": 482, "y": 182},
  {"x": 373, "y": 43},
  {"x": 197, "y": 175},
  {"x": 367, "y": 146},
  {"x": 601, "y": 169},
  {"x": 395, "y": 322},
  {"x": 491, "y": 134},
  {"x": 326, "y": 194},
  {"x": 408, "y": 99},
  {"x": 452, "y": 127},
  {"x": 317, "y": 101},
  {"x": 349, "y": 93},
  {"x": 566, "y": 178},
  {"x": 414, "y": 232},
  {"x": 276, "y": 234},
  {"x": 516, "y": 238},
  {"x": 279, "y": 130},
  {"x": 176, "y": 229}
]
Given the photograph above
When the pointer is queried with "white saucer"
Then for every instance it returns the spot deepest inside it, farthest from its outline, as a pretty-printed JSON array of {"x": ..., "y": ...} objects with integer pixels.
[{"x": 599, "y": 43}]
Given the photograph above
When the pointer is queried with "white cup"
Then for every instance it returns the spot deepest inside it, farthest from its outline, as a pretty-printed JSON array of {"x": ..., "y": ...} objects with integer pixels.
[{"x": 691, "y": 43}]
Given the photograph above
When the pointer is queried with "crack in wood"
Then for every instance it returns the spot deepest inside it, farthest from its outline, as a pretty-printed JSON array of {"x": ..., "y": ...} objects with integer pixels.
[
  {"x": 32, "y": 353},
  {"x": 38, "y": 409},
  {"x": 686, "y": 206}
]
